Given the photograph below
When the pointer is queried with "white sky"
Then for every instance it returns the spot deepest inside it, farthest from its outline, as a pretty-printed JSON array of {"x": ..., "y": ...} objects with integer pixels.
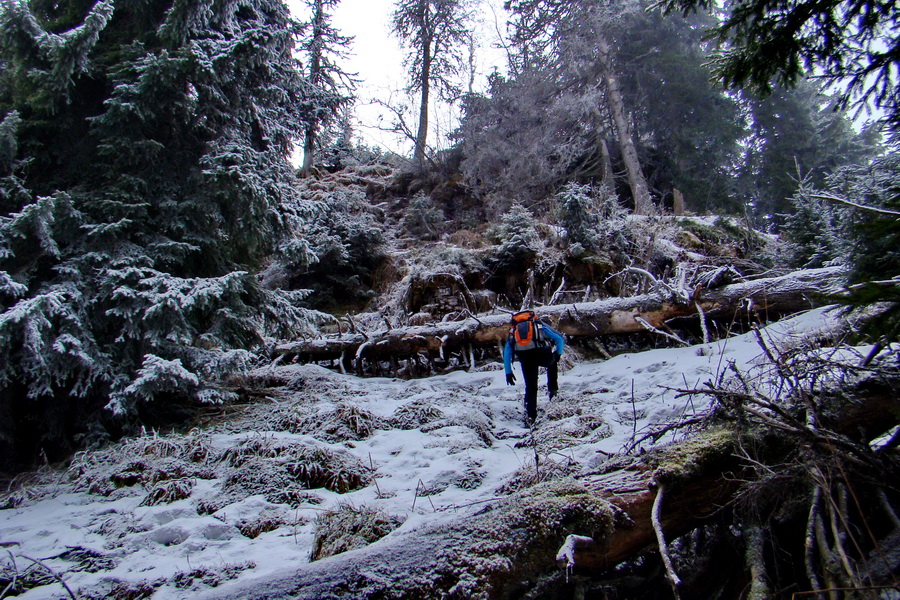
[{"x": 378, "y": 60}]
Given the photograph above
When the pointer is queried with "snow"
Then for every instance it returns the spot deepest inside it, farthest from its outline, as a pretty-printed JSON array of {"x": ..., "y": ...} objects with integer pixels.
[{"x": 438, "y": 445}]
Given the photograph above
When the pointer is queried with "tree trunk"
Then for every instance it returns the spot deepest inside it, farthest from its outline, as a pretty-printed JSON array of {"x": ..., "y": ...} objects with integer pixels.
[
  {"x": 643, "y": 205},
  {"x": 315, "y": 74},
  {"x": 606, "y": 178},
  {"x": 425, "y": 84},
  {"x": 678, "y": 206},
  {"x": 767, "y": 297}
]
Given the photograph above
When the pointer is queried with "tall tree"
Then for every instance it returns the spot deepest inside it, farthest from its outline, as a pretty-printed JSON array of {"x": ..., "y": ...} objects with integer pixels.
[
  {"x": 436, "y": 33},
  {"x": 144, "y": 175},
  {"x": 550, "y": 121},
  {"x": 576, "y": 32},
  {"x": 331, "y": 87},
  {"x": 796, "y": 135},
  {"x": 689, "y": 131},
  {"x": 853, "y": 43}
]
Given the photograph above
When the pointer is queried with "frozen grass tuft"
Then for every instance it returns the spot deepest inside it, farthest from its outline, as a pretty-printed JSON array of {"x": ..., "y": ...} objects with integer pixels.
[
  {"x": 348, "y": 527},
  {"x": 200, "y": 577},
  {"x": 146, "y": 460},
  {"x": 169, "y": 491},
  {"x": 121, "y": 590},
  {"x": 266, "y": 521},
  {"x": 310, "y": 465},
  {"x": 531, "y": 474},
  {"x": 283, "y": 472},
  {"x": 415, "y": 414},
  {"x": 344, "y": 422}
]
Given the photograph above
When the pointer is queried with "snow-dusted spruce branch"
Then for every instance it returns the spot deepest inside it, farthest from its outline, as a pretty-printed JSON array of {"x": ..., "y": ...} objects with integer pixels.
[{"x": 873, "y": 209}]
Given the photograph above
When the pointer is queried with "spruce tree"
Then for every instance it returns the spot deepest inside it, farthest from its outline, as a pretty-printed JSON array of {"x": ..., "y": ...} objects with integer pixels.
[
  {"x": 796, "y": 135},
  {"x": 143, "y": 178},
  {"x": 851, "y": 43},
  {"x": 434, "y": 31},
  {"x": 331, "y": 87}
]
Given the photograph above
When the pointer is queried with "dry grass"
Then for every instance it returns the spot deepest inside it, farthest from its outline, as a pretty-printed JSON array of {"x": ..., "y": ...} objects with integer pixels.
[
  {"x": 348, "y": 528},
  {"x": 169, "y": 491},
  {"x": 266, "y": 521}
]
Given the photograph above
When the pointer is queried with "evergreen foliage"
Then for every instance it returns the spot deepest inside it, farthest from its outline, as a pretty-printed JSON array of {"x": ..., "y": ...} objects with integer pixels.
[
  {"x": 575, "y": 213},
  {"x": 523, "y": 139},
  {"x": 550, "y": 121},
  {"x": 518, "y": 240},
  {"x": 330, "y": 87},
  {"x": 348, "y": 243},
  {"x": 796, "y": 135},
  {"x": 422, "y": 218},
  {"x": 434, "y": 31},
  {"x": 875, "y": 255},
  {"x": 853, "y": 43},
  {"x": 688, "y": 130},
  {"x": 816, "y": 230},
  {"x": 592, "y": 218},
  {"x": 143, "y": 177},
  {"x": 856, "y": 221}
]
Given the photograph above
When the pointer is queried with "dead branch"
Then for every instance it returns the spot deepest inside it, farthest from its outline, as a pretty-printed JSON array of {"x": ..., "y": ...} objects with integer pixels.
[{"x": 656, "y": 521}]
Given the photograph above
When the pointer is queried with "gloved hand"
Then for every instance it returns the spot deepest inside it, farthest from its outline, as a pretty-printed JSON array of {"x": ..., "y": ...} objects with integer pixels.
[
  {"x": 510, "y": 379},
  {"x": 556, "y": 357}
]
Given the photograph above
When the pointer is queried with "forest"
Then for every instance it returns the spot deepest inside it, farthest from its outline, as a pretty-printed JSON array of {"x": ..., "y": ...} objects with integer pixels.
[{"x": 231, "y": 328}]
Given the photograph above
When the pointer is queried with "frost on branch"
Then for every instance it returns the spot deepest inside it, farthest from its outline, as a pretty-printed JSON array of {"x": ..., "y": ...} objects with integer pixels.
[{"x": 157, "y": 376}]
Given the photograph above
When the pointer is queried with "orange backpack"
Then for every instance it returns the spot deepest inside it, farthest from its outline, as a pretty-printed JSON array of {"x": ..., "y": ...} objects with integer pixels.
[{"x": 526, "y": 334}]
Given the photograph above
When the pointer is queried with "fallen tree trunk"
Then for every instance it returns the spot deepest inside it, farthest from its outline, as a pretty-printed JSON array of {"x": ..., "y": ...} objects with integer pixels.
[{"x": 768, "y": 297}]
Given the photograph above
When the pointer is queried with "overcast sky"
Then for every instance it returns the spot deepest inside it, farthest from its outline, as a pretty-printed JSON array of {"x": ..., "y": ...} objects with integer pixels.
[{"x": 378, "y": 60}]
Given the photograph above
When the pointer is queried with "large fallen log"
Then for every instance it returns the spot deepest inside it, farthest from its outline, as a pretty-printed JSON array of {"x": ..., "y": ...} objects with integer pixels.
[{"x": 768, "y": 297}]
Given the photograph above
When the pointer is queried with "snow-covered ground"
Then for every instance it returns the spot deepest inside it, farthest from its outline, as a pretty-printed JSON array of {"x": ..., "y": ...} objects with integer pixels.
[{"x": 418, "y": 448}]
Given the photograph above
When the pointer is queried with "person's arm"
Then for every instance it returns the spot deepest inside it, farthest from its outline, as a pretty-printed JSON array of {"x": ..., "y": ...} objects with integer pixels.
[
  {"x": 557, "y": 338},
  {"x": 507, "y": 362},
  {"x": 507, "y": 357}
]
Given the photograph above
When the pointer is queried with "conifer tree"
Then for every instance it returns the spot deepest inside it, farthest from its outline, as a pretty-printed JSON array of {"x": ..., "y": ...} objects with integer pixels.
[
  {"x": 577, "y": 33},
  {"x": 435, "y": 31},
  {"x": 330, "y": 86},
  {"x": 854, "y": 44},
  {"x": 796, "y": 135},
  {"x": 143, "y": 178}
]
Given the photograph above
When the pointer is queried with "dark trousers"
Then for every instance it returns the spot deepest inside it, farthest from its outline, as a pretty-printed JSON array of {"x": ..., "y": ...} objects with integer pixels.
[{"x": 532, "y": 361}]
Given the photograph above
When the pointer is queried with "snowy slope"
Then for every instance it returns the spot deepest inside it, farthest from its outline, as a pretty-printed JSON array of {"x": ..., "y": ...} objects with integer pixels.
[{"x": 419, "y": 450}]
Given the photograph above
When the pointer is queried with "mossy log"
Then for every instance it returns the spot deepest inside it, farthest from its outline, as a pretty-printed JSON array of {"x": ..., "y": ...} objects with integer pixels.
[{"x": 768, "y": 297}]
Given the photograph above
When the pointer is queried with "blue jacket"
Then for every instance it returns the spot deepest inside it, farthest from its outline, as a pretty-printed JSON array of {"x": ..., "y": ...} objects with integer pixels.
[{"x": 552, "y": 335}]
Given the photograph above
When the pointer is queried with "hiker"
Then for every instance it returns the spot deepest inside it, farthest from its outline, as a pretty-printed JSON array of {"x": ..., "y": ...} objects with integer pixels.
[{"x": 536, "y": 345}]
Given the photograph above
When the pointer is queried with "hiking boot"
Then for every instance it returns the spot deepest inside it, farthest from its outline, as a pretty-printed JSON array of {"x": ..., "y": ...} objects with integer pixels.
[{"x": 551, "y": 394}]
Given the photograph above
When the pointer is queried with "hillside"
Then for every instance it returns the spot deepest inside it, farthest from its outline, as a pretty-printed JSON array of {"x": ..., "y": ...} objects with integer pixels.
[
  {"x": 322, "y": 463},
  {"x": 384, "y": 456}
]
